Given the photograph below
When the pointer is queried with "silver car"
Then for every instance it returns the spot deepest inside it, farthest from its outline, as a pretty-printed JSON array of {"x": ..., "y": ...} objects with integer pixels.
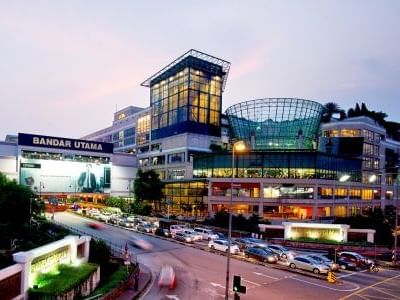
[
  {"x": 326, "y": 261},
  {"x": 308, "y": 264}
]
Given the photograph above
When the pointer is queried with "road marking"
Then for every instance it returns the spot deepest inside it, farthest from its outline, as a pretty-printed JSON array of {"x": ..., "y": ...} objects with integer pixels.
[
  {"x": 251, "y": 282},
  {"x": 217, "y": 284},
  {"x": 370, "y": 286},
  {"x": 351, "y": 274},
  {"x": 380, "y": 290},
  {"x": 326, "y": 287},
  {"x": 261, "y": 274},
  {"x": 172, "y": 297}
]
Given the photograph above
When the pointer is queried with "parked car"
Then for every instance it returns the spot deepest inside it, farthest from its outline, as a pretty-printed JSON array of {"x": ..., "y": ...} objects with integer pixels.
[
  {"x": 167, "y": 277},
  {"x": 261, "y": 254},
  {"x": 183, "y": 237},
  {"x": 221, "y": 236},
  {"x": 175, "y": 228},
  {"x": 250, "y": 242},
  {"x": 163, "y": 232},
  {"x": 326, "y": 261},
  {"x": 283, "y": 252},
  {"x": 222, "y": 245},
  {"x": 196, "y": 236},
  {"x": 126, "y": 223},
  {"x": 206, "y": 234},
  {"x": 145, "y": 228},
  {"x": 308, "y": 264},
  {"x": 343, "y": 264},
  {"x": 356, "y": 258}
]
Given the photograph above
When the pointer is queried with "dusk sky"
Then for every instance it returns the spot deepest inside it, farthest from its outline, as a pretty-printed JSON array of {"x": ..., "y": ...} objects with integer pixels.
[{"x": 66, "y": 66}]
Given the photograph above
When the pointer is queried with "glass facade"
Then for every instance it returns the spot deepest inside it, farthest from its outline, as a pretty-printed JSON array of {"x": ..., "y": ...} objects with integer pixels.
[
  {"x": 187, "y": 197},
  {"x": 271, "y": 164},
  {"x": 276, "y": 123},
  {"x": 186, "y": 97}
]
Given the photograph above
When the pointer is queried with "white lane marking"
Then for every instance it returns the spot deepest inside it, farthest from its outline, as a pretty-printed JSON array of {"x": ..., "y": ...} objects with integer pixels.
[
  {"x": 172, "y": 297},
  {"x": 251, "y": 282},
  {"x": 261, "y": 274},
  {"x": 327, "y": 287},
  {"x": 351, "y": 274},
  {"x": 217, "y": 284}
]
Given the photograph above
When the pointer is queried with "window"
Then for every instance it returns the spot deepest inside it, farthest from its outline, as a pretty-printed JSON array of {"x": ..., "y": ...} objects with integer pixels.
[{"x": 176, "y": 158}]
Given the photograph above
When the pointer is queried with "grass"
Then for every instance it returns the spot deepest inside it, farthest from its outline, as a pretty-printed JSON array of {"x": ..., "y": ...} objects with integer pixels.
[
  {"x": 63, "y": 280},
  {"x": 113, "y": 281}
]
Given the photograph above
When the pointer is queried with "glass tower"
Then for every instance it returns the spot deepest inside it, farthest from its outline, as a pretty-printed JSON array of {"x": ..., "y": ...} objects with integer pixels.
[{"x": 185, "y": 96}]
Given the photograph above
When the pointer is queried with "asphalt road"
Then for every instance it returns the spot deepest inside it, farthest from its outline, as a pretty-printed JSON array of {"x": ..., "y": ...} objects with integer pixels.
[{"x": 201, "y": 275}]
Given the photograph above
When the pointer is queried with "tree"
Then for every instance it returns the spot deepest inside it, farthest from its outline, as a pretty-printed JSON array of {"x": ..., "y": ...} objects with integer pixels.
[
  {"x": 331, "y": 108},
  {"x": 17, "y": 204},
  {"x": 118, "y": 202},
  {"x": 148, "y": 186}
]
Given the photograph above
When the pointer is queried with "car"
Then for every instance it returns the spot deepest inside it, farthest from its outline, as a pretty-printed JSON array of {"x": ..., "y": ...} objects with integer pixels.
[
  {"x": 308, "y": 264},
  {"x": 163, "y": 232},
  {"x": 248, "y": 242},
  {"x": 261, "y": 254},
  {"x": 207, "y": 234},
  {"x": 140, "y": 243},
  {"x": 221, "y": 236},
  {"x": 95, "y": 225},
  {"x": 145, "y": 228},
  {"x": 183, "y": 237},
  {"x": 326, "y": 261},
  {"x": 167, "y": 277},
  {"x": 222, "y": 245},
  {"x": 283, "y": 252},
  {"x": 343, "y": 264},
  {"x": 126, "y": 223},
  {"x": 196, "y": 236},
  {"x": 356, "y": 258},
  {"x": 175, "y": 228}
]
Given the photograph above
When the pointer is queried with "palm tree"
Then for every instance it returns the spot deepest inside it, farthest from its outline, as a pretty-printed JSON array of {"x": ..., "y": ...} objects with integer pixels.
[{"x": 330, "y": 109}]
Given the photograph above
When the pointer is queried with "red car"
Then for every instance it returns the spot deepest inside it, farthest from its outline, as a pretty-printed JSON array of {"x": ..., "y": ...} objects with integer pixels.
[
  {"x": 95, "y": 225},
  {"x": 167, "y": 277},
  {"x": 354, "y": 257}
]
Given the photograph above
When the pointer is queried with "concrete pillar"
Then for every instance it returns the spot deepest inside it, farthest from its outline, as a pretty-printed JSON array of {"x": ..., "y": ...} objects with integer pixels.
[
  {"x": 24, "y": 259},
  {"x": 370, "y": 236}
]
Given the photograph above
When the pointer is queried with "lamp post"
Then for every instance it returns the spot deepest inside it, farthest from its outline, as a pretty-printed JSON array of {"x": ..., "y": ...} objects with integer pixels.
[
  {"x": 239, "y": 146},
  {"x": 41, "y": 185}
]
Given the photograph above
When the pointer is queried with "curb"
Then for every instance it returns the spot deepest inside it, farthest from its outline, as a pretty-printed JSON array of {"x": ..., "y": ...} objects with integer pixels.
[{"x": 146, "y": 285}]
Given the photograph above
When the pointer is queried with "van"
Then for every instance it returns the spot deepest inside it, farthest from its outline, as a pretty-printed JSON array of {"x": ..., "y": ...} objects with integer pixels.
[{"x": 206, "y": 234}]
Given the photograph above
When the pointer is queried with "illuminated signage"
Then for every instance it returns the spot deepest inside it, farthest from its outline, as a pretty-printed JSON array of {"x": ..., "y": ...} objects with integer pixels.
[
  {"x": 47, "y": 262},
  {"x": 63, "y": 143}
]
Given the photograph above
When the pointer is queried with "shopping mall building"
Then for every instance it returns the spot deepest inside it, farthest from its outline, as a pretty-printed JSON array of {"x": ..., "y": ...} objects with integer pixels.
[
  {"x": 62, "y": 168},
  {"x": 294, "y": 166}
]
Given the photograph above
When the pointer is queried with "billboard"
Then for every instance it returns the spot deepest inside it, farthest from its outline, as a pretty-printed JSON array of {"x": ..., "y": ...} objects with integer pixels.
[
  {"x": 36, "y": 140},
  {"x": 58, "y": 176}
]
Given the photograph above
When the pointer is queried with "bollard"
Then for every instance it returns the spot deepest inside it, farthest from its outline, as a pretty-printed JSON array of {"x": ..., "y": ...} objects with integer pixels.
[{"x": 331, "y": 277}]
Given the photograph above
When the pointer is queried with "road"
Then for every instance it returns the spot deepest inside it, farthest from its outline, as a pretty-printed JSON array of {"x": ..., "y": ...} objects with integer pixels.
[{"x": 201, "y": 275}]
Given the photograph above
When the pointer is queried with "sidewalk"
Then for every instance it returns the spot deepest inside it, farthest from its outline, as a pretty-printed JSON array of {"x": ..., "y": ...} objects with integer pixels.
[{"x": 144, "y": 281}]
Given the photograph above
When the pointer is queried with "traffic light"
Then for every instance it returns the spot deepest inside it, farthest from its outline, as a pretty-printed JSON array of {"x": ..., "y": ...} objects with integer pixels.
[{"x": 237, "y": 287}]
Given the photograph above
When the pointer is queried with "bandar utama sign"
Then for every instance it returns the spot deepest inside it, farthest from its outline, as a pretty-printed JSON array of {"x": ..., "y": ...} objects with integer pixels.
[{"x": 36, "y": 140}]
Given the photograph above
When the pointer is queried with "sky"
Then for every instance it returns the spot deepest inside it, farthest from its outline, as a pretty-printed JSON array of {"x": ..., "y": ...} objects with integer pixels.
[{"x": 67, "y": 66}]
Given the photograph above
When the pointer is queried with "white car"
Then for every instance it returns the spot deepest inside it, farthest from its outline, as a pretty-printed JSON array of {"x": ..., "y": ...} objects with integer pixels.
[
  {"x": 222, "y": 245},
  {"x": 196, "y": 236},
  {"x": 206, "y": 234},
  {"x": 175, "y": 228}
]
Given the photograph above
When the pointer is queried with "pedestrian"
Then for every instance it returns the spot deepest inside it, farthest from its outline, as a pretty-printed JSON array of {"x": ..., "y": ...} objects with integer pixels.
[{"x": 136, "y": 278}]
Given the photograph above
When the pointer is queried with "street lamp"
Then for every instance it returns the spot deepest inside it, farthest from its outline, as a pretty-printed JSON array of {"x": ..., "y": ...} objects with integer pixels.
[
  {"x": 239, "y": 146},
  {"x": 342, "y": 178}
]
